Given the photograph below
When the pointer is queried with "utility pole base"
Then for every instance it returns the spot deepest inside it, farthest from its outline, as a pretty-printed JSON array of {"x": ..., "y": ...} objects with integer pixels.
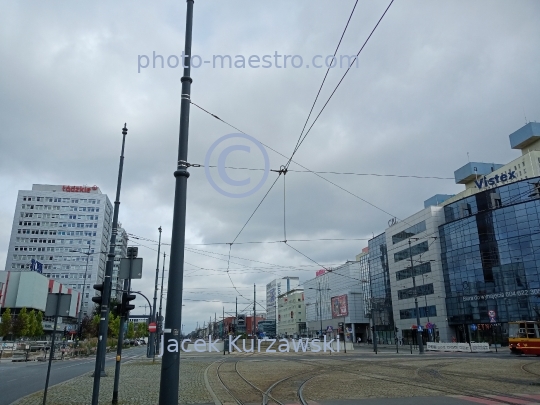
[{"x": 103, "y": 374}]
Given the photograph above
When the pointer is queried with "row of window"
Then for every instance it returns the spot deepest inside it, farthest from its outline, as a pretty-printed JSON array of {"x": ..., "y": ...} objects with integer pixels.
[
  {"x": 64, "y": 200},
  {"x": 60, "y": 224},
  {"x": 424, "y": 312},
  {"x": 53, "y": 258},
  {"x": 419, "y": 291},
  {"x": 72, "y": 267},
  {"x": 412, "y": 251},
  {"x": 418, "y": 271},
  {"x": 409, "y": 232},
  {"x": 71, "y": 241},
  {"x": 59, "y": 216},
  {"x": 58, "y": 208},
  {"x": 47, "y": 248}
]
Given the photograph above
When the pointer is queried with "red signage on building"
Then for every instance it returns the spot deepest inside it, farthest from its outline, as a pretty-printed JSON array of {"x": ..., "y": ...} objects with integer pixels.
[
  {"x": 78, "y": 189},
  {"x": 320, "y": 272}
]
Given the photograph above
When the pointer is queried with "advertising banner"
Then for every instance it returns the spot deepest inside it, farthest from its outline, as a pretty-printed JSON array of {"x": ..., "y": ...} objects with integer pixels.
[{"x": 340, "y": 306}]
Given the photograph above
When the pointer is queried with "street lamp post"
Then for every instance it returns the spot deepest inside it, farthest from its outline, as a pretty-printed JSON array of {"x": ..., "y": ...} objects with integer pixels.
[
  {"x": 84, "y": 284},
  {"x": 418, "y": 326},
  {"x": 319, "y": 306}
]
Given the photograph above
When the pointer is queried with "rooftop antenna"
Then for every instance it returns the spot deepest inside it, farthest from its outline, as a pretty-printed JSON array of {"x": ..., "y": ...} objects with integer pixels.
[
  {"x": 525, "y": 116},
  {"x": 468, "y": 159}
]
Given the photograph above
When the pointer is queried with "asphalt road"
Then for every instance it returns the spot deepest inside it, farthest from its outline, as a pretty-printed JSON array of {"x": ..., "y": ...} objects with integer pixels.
[{"x": 18, "y": 379}]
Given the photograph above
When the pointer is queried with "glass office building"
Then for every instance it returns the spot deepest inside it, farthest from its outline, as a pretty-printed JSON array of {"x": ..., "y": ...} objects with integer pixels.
[
  {"x": 490, "y": 244},
  {"x": 381, "y": 298},
  {"x": 490, "y": 257}
]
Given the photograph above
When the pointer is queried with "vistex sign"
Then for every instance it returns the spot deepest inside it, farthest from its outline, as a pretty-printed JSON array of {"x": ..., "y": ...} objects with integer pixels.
[{"x": 492, "y": 181}]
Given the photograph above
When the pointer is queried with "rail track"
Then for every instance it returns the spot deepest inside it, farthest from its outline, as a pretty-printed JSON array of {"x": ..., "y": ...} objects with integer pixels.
[{"x": 431, "y": 377}]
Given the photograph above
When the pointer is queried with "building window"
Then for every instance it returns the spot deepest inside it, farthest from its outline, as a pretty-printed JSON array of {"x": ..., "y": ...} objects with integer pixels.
[
  {"x": 424, "y": 312},
  {"x": 409, "y": 232},
  {"x": 414, "y": 250},
  {"x": 421, "y": 290}
]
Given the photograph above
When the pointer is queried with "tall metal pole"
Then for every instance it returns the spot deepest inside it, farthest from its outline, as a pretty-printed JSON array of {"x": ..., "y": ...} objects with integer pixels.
[
  {"x": 254, "y": 312},
  {"x": 418, "y": 326},
  {"x": 119, "y": 345},
  {"x": 107, "y": 284},
  {"x": 161, "y": 296},
  {"x": 51, "y": 354},
  {"x": 235, "y": 318},
  {"x": 152, "y": 338},
  {"x": 170, "y": 365},
  {"x": 83, "y": 289},
  {"x": 320, "y": 306}
]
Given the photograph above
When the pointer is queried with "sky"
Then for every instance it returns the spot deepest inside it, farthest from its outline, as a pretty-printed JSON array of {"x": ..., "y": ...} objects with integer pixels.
[{"x": 437, "y": 83}]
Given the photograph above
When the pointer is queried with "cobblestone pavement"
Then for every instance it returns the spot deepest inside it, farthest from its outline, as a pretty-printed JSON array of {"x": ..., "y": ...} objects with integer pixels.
[
  {"x": 336, "y": 377},
  {"x": 139, "y": 385},
  {"x": 350, "y": 378}
]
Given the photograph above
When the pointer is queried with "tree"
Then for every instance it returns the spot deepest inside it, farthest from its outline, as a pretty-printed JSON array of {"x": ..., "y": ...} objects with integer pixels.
[
  {"x": 142, "y": 330},
  {"x": 38, "y": 332},
  {"x": 95, "y": 324},
  {"x": 32, "y": 324},
  {"x": 114, "y": 325},
  {"x": 20, "y": 324},
  {"x": 88, "y": 329},
  {"x": 131, "y": 330},
  {"x": 5, "y": 326}
]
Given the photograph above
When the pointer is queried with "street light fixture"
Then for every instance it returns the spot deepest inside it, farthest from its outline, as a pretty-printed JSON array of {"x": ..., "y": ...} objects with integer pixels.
[
  {"x": 418, "y": 326},
  {"x": 319, "y": 289},
  {"x": 84, "y": 285}
]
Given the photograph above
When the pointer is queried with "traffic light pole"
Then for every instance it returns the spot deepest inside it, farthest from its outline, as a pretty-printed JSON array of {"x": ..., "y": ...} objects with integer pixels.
[
  {"x": 170, "y": 365},
  {"x": 107, "y": 284},
  {"x": 120, "y": 344}
]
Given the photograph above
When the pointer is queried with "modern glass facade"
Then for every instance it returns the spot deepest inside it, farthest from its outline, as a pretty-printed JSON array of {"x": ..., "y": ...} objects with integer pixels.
[
  {"x": 490, "y": 252},
  {"x": 381, "y": 299}
]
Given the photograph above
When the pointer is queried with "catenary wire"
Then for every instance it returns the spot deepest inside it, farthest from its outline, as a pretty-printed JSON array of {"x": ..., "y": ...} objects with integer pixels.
[
  {"x": 339, "y": 83},
  {"x": 325, "y": 76}
]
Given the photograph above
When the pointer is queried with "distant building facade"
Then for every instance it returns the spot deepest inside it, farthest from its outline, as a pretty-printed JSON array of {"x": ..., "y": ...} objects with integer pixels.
[
  {"x": 291, "y": 314},
  {"x": 54, "y": 226}
]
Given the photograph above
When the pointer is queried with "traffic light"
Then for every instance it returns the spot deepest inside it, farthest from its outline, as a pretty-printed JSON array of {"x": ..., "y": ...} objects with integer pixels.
[
  {"x": 65, "y": 332},
  {"x": 396, "y": 329},
  {"x": 98, "y": 299},
  {"x": 373, "y": 328},
  {"x": 126, "y": 306}
]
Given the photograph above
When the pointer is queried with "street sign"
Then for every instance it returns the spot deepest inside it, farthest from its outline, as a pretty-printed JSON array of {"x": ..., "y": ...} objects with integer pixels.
[
  {"x": 329, "y": 328},
  {"x": 136, "y": 268},
  {"x": 152, "y": 327},
  {"x": 419, "y": 329}
]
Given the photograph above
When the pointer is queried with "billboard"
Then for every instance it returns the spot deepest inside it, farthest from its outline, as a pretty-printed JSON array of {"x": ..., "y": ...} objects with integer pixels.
[{"x": 340, "y": 306}]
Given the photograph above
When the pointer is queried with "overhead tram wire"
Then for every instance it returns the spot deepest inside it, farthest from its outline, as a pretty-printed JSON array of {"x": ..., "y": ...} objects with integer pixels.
[
  {"x": 324, "y": 80},
  {"x": 302, "y": 166},
  {"x": 342, "y": 173},
  {"x": 339, "y": 83}
]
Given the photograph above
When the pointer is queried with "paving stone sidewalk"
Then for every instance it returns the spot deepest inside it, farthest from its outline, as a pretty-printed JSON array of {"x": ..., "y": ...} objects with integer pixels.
[{"x": 139, "y": 385}]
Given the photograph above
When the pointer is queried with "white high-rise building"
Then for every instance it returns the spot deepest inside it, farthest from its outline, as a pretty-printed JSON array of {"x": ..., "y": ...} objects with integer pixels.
[
  {"x": 274, "y": 289},
  {"x": 66, "y": 229},
  {"x": 120, "y": 252}
]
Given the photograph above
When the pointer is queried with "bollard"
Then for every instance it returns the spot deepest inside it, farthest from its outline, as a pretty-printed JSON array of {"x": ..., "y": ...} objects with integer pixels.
[{"x": 411, "y": 347}]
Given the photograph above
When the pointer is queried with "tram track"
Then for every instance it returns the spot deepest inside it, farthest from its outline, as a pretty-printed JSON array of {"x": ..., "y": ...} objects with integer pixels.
[
  {"x": 525, "y": 369},
  {"x": 435, "y": 386},
  {"x": 428, "y": 377}
]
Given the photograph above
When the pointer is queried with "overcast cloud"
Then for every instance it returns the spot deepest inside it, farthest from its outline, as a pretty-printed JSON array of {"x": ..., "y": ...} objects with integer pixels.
[{"x": 437, "y": 80}]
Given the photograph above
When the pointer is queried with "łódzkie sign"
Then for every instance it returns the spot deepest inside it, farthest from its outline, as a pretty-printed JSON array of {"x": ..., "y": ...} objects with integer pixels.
[{"x": 78, "y": 189}]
